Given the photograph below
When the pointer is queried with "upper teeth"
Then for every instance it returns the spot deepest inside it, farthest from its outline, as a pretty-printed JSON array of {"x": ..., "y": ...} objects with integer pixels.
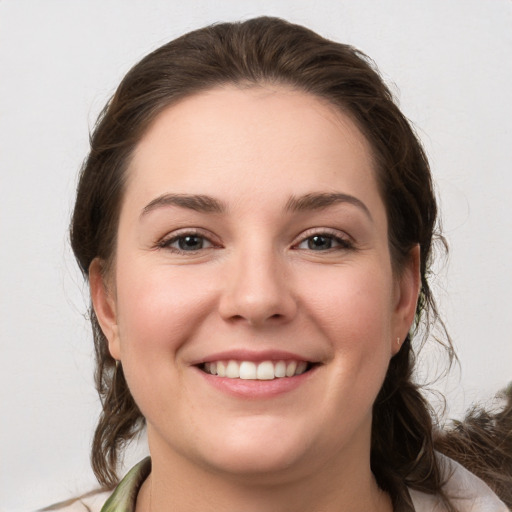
[{"x": 266, "y": 370}]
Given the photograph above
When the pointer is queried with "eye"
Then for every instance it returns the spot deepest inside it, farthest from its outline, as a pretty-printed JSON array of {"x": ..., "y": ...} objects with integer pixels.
[
  {"x": 186, "y": 242},
  {"x": 323, "y": 242}
]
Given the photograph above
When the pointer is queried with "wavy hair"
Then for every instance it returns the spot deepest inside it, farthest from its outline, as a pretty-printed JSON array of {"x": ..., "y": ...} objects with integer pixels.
[{"x": 270, "y": 51}]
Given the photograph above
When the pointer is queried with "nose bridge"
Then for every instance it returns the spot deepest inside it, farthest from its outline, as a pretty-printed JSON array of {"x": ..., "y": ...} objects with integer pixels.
[{"x": 256, "y": 287}]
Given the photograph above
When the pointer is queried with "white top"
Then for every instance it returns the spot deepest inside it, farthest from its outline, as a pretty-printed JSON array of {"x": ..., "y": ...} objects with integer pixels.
[{"x": 467, "y": 492}]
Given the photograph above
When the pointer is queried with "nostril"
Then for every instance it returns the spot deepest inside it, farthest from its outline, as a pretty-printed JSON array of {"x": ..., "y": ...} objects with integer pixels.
[
  {"x": 260, "y": 320},
  {"x": 256, "y": 320}
]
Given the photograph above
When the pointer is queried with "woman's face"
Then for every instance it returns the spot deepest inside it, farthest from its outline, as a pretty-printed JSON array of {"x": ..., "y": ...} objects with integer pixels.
[{"x": 253, "y": 243}]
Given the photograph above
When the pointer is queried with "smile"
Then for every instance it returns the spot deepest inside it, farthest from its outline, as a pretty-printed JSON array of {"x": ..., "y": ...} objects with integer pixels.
[{"x": 250, "y": 370}]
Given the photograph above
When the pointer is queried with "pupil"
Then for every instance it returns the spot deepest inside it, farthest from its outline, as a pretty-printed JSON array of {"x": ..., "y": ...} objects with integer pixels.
[
  {"x": 190, "y": 242},
  {"x": 319, "y": 242}
]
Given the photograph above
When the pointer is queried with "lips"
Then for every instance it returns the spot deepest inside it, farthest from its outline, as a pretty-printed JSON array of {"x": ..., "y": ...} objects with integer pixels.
[
  {"x": 252, "y": 370},
  {"x": 257, "y": 375}
]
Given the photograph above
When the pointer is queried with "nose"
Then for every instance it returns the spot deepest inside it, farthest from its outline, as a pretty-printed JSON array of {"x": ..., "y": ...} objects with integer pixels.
[{"x": 258, "y": 290}]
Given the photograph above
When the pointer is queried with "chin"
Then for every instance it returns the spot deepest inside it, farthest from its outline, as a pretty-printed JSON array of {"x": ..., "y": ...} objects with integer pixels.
[
  {"x": 260, "y": 464},
  {"x": 258, "y": 446}
]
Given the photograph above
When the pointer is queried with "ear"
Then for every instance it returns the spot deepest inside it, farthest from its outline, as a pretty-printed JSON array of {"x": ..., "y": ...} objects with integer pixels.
[
  {"x": 406, "y": 298},
  {"x": 103, "y": 302}
]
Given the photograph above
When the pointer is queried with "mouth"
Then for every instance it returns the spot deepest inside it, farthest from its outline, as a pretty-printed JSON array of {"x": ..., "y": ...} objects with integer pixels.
[{"x": 251, "y": 370}]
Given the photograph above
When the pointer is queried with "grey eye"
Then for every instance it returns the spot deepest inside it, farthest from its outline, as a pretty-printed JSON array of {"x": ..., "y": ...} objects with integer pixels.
[
  {"x": 190, "y": 242},
  {"x": 319, "y": 242},
  {"x": 323, "y": 242}
]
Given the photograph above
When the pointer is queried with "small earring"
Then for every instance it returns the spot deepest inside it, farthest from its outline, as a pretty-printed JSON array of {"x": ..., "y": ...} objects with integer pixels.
[
  {"x": 114, "y": 382},
  {"x": 398, "y": 341}
]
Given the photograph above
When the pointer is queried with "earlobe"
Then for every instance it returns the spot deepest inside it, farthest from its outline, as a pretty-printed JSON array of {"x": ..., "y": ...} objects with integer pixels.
[
  {"x": 104, "y": 306},
  {"x": 408, "y": 288}
]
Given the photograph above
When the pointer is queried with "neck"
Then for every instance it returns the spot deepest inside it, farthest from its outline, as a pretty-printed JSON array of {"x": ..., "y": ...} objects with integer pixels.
[{"x": 336, "y": 485}]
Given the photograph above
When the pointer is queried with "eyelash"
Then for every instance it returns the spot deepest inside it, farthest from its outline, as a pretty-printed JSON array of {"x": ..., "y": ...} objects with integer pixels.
[{"x": 342, "y": 242}]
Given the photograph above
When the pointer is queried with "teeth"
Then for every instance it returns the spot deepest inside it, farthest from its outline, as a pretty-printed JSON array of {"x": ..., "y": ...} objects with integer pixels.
[
  {"x": 265, "y": 371},
  {"x": 221, "y": 369},
  {"x": 248, "y": 370},
  {"x": 301, "y": 367},
  {"x": 233, "y": 370},
  {"x": 290, "y": 368},
  {"x": 280, "y": 369}
]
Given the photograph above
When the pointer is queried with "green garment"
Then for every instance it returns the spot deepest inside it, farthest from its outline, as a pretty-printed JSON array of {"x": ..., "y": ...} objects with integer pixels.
[{"x": 124, "y": 497}]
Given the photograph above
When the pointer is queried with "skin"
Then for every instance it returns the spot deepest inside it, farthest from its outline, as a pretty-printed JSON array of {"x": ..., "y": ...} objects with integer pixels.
[{"x": 255, "y": 285}]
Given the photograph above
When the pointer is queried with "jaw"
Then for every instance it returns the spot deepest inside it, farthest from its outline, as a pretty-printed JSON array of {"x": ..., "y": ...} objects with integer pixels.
[{"x": 268, "y": 472}]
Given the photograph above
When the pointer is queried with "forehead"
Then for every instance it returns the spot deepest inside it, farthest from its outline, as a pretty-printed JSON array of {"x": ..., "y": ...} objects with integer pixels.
[{"x": 248, "y": 139}]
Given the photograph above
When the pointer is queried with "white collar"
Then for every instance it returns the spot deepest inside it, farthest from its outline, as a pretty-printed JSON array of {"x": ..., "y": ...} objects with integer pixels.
[{"x": 467, "y": 492}]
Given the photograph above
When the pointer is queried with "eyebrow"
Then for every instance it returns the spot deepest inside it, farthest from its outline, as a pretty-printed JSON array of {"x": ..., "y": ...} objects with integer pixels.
[
  {"x": 207, "y": 204},
  {"x": 199, "y": 203},
  {"x": 319, "y": 201}
]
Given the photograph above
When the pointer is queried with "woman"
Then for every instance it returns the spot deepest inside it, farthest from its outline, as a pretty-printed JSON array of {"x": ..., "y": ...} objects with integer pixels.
[{"x": 256, "y": 219}]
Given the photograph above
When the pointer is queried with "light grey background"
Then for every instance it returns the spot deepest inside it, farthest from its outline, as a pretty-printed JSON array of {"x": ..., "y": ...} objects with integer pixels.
[{"x": 449, "y": 62}]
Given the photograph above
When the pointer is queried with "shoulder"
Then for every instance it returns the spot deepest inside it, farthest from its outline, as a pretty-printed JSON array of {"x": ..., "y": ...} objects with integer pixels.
[
  {"x": 467, "y": 492},
  {"x": 121, "y": 499},
  {"x": 90, "y": 502}
]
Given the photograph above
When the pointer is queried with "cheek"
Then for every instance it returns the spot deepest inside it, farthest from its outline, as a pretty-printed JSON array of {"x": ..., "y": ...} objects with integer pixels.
[
  {"x": 159, "y": 311},
  {"x": 353, "y": 306},
  {"x": 159, "y": 308},
  {"x": 353, "y": 312}
]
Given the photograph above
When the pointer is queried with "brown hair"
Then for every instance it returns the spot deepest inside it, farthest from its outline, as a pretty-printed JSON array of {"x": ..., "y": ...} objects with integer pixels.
[{"x": 269, "y": 50}]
